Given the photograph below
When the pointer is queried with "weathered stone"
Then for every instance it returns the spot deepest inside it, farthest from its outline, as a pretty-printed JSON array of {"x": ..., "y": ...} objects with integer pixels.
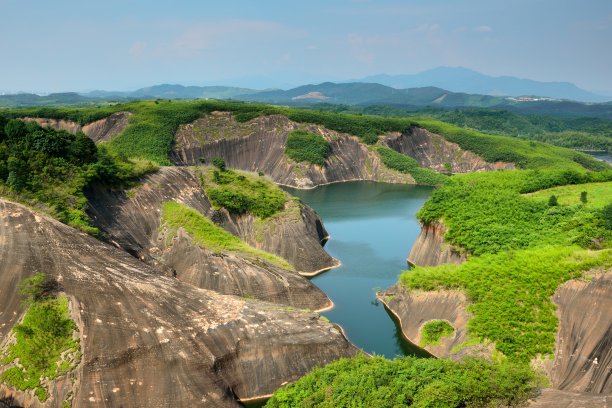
[
  {"x": 132, "y": 222},
  {"x": 99, "y": 130},
  {"x": 435, "y": 152},
  {"x": 430, "y": 248},
  {"x": 149, "y": 339}
]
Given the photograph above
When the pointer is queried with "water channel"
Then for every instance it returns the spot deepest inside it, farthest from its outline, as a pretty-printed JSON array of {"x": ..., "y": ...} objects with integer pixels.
[{"x": 372, "y": 228}]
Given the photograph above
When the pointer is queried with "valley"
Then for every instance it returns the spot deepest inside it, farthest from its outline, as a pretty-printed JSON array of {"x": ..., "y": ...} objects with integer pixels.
[{"x": 193, "y": 279}]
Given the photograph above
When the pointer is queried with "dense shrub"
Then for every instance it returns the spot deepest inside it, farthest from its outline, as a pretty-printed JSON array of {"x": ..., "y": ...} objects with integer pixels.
[
  {"x": 241, "y": 193},
  {"x": 408, "y": 165},
  {"x": 44, "y": 346},
  {"x": 49, "y": 168},
  {"x": 409, "y": 382},
  {"x": 305, "y": 146},
  {"x": 433, "y": 331},
  {"x": 510, "y": 293}
]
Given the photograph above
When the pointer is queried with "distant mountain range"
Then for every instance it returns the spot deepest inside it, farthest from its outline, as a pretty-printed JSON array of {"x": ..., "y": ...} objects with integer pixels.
[
  {"x": 468, "y": 81},
  {"x": 350, "y": 93}
]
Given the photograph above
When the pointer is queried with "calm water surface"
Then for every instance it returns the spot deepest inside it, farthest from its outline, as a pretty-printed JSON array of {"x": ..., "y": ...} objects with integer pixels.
[
  {"x": 372, "y": 228},
  {"x": 603, "y": 156}
]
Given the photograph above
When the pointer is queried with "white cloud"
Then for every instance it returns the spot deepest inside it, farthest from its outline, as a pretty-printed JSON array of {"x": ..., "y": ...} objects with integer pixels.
[{"x": 483, "y": 29}]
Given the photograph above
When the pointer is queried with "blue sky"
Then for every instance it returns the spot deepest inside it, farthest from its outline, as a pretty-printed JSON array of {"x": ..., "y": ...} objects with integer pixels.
[{"x": 49, "y": 46}]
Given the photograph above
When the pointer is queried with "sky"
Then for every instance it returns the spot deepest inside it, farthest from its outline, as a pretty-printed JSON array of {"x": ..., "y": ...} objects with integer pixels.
[{"x": 63, "y": 45}]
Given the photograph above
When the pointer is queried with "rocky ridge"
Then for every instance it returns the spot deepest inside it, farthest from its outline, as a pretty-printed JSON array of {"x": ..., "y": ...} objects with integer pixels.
[
  {"x": 99, "y": 130},
  {"x": 131, "y": 221},
  {"x": 149, "y": 339}
]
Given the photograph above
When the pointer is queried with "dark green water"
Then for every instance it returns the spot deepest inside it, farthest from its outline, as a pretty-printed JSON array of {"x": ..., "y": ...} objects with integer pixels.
[{"x": 372, "y": 228}]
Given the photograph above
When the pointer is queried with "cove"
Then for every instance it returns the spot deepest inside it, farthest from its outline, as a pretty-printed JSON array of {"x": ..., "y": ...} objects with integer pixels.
[{"x": 372, "y": 228}]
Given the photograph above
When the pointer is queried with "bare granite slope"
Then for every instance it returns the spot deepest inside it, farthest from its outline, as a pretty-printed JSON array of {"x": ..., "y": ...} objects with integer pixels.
[
  {"x": 132, "y": 222},
  {"x": 99, "y": 130},
  {"x": 149, "y": 339},
  {"x": 259, "y": 145}
]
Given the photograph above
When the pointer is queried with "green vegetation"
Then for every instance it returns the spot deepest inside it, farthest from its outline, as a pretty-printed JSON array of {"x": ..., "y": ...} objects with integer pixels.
[
  {"x": 486, "y": 212},
  {"x": 210, "y": 236},
  {"x": 153, "y": 124},
  {"x": 408, "y": 165},
  {"x": 522, "y": 249},
  {"x": 306, "y": 146},
  {"x": 585, "y": 133},
  {"x": 526, "y": 155},
  {"x": 240, "y": 192},
  {"x": 44, "y": 346},
  {"x": 598, "y": 194},
  {"x": 433, "y": 331},
  {"x": 51, "y": 169},
  {"x": 511, "y": 293},
  {"x": 409, "y": 382}
]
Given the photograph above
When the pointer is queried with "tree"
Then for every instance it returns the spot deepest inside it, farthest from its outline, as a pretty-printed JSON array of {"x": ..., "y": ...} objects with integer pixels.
[
  {"x": 15, "y": 129},
  {"x": 552, "y": 201},
  {"x": 583, "y": 197},
  {"x": 219, "y": 163},
  {"x": 17, "y": 173},
  {"x": 607, "y": 216}
]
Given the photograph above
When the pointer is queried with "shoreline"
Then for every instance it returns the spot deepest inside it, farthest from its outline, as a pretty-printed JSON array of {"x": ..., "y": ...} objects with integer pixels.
[{"x": 399, "y": 320}]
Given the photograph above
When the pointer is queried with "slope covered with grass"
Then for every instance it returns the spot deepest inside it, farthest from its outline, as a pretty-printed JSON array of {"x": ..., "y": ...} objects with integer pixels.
[{"x": 210, "y": 236}]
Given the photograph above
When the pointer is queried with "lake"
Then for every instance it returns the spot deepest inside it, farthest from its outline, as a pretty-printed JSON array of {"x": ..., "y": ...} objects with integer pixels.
[{"x": 372, "y": 228}]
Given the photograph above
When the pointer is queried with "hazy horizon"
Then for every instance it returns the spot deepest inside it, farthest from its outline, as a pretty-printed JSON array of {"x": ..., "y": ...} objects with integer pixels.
[{"x": 122, "y": 46}]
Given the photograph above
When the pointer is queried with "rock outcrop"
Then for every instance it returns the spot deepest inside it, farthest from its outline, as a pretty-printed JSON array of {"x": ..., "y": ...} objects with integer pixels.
[
  {"x": 132, "y": 222},
  {"x": 430, "y": 249},
  {"x": 435, "y": 152},
  {"x": 583, "y": 355},
  {"x": 552, "y": 398},
  {"x": 99, "y": 130},
  {"x": 259, "y": 145},
  {"x": 413, "y": 309},
  {"x": 149, "y": 339}
]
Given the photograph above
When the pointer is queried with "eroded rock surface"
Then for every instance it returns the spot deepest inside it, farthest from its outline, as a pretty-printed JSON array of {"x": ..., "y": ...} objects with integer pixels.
[
  {"x": 149, "y": 339},
  {"x": 552, "y": 398},
  {"x": 259, "y": 145},
  {"x": 430, "y": 248},
  {"x": 415, "y": 308},
  {"x": 435, "y": 152},
  {"x": 132, "y": 222},
  {"x": 100, "y": 130},
  {"x": 583, "y": 355}
]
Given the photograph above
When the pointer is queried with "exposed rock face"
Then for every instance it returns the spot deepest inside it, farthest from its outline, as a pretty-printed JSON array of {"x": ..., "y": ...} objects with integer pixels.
[
  {"x": 430, "y": 249},
  {"x": 296, "y": 234},
  {"x": 259, "y": 145},
  {"x": 414, "y": 309},
  {"x": 552, "y": 398},
  {"x": 151, "y": 340},
  {"x": 100, "y": 130},
  {"x": 583, "y": 355},
  {"x": 436, "y": 153},
  {"x": 132, "y": 222}
]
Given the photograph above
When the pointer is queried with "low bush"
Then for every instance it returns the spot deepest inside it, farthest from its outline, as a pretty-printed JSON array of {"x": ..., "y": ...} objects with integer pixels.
[
  {"x": 306, "y": 146},
  {"x": 44, "y": 345},
  {"x": 433, "y": 331},
  {"x": 408, "y": 165},
  {"x": 240, "y": 193},
  {"x": 410, "y": 382}
]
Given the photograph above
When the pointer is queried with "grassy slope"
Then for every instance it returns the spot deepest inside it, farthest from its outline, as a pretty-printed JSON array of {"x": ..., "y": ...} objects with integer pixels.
[
  {"x": 522, "y": 250},
  {"x": 598, "y": 194},
  {"x": 210, "y": 236}
]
